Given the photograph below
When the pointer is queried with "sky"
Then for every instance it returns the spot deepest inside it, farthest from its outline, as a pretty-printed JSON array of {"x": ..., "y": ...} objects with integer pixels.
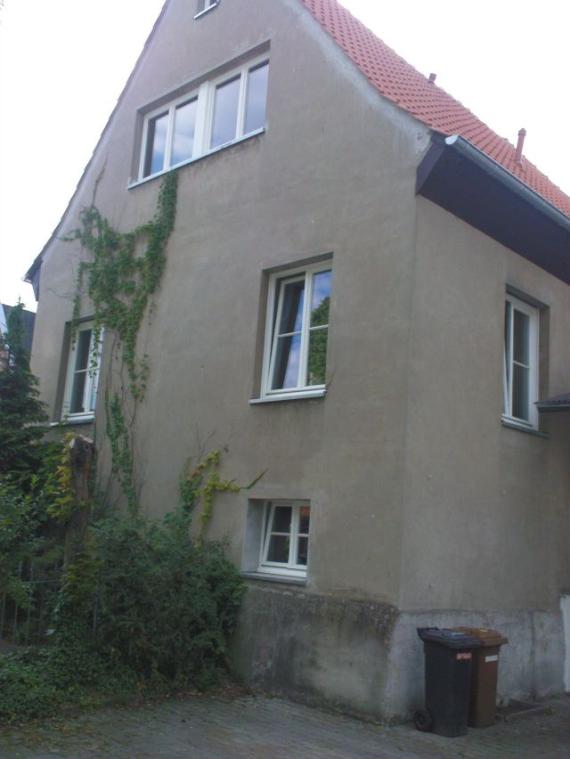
[{"x": 64, "y": 63}]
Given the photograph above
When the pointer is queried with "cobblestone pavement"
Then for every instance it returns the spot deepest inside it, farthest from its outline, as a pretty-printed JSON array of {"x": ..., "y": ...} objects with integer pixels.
[{"x": 264, "y": 728}]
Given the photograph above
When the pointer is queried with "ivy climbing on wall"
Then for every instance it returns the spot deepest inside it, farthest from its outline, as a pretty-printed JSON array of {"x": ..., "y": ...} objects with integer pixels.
[{"x": 123, "y": 271}]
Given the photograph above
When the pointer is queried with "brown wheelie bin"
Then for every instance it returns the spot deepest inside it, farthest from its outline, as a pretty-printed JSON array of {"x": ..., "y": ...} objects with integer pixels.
[{"x": 483, "y": 702}]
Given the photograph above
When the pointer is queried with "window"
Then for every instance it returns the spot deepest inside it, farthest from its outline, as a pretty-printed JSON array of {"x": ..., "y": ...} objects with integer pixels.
[
  {"x": 297, "y": 332},
  {"x": 205, "y": 5},
  {"x": 285, "y": 544},
  {"x": 82, "y": 375},
  {"x": 219, "y": 112},
  {"x": 521, "y": 362}
]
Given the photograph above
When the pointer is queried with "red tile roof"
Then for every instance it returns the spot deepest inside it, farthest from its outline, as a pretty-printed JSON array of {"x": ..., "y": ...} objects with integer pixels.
[{"x": 399, "y": 82}]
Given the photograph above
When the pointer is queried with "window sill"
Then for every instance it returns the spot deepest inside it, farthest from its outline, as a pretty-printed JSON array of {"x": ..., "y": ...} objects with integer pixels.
[
  {"x": 214, "y": 151},
  {"x": 206, "y": 10},
  {"x": 303, "y": 395},
  {"x": 512, "y": 425},
  {"x": 280, "y": 579},
  {"x": 71, "y": 421}
]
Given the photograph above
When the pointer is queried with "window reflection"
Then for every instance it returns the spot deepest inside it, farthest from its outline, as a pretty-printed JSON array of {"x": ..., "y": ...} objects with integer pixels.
[
  {"x": 225, "y": 113},
  {"x": 255, "y": 112}
]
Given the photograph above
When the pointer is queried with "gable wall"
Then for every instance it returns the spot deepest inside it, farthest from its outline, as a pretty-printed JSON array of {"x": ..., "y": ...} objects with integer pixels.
[{"x": 335, "y": 172}]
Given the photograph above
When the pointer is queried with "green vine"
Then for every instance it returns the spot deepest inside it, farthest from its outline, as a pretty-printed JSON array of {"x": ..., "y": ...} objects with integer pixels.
[
  {"x": 124, "y": 271},
  {"x": 121, "y": 452},
  {"x": 194, "y": 490},
  {"x": 120, "y": 279},
  {"x": 59, "y": 485}
]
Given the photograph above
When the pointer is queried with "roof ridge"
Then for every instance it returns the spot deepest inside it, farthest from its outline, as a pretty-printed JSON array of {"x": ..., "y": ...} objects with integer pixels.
[{"x": 409, "y": 89}]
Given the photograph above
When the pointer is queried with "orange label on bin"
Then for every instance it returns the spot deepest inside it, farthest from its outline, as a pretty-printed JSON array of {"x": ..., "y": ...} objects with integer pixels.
[{"x": 463, "y": 657}]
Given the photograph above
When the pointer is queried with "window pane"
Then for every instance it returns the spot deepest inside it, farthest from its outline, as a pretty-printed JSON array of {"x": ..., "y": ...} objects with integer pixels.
[
  {"x": 317, "y": 356},
  {"x": 521, "y": 392},
  {"x": 302, "y": 551},
  {"x": 156, "y": 144},
  {"x": 304, "y": 519},
  {"x": 76, "y": 405},
  {"x": 521, "y": 337},
  {"x": 320, "y": 301},
  {"x": 225, "y": 113},
  {"x": 286, "y": 372},
  {"x": 184, "y": 128},
  {"x": 292, "y": 313},
  {"x": 256, "y": 98},
  {"x": 279, "y": 549},
  {"x": 281, "y": 519},
  {"x": 82, "y": 350}
]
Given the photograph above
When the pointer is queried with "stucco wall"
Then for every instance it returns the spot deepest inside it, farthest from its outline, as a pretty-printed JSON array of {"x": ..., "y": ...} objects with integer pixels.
[
  {"x": 420, "y": 498},
  {"x": 334, "y": 173},
  {"x": 487, "y": 523}
]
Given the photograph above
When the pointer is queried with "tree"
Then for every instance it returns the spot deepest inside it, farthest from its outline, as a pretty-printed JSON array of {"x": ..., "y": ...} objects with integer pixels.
[{"x": 22, "y": 414}]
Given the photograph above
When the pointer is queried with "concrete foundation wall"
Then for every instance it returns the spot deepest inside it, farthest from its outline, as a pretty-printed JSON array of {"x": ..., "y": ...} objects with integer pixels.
[
  {"x": 366, "y": 658},
  {"x": 315, "y": 648}
]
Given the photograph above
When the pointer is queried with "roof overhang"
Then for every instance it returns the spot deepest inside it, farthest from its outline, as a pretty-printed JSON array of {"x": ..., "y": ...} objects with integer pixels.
[
  {"x": 475, "y": 188},
  {"x": 558, "y": 403}
]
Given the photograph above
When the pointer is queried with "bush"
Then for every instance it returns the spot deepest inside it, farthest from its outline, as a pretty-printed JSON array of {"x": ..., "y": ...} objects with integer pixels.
[
  {"x": 164, "y": 605},
  {"x": 19, "y": 541},
  {"x": 40, "y": 682}
]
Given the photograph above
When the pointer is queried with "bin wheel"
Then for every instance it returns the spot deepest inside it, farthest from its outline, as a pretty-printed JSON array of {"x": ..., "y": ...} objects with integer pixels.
[{"x": 423, "y": 720}]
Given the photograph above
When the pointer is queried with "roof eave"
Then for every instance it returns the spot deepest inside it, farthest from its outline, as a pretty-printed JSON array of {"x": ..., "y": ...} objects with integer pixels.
[{"x": 459, "y": 177}]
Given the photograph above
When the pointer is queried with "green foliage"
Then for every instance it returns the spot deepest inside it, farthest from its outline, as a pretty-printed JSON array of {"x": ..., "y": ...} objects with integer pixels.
[
  {"x": 19, "y": 541},
  {"x": 121, "y": 278},
  {"x": 121, "y": 452},
  {"x": 200, "y": 486},
  {"x": 70, "y": 673},
  {"x": 165, "y": 606},
  {"x": 58, "y": 488},
  {"x": 21, "y": 412}
]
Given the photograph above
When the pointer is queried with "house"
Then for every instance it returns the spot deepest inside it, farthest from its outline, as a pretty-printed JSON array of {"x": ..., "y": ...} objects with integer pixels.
[
  {"x": 365, "y": 296},
  {"x": 28, "y": 318}
]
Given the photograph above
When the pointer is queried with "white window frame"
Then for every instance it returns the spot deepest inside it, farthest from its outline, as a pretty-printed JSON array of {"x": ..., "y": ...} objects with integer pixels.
[
  {"x": 508, "y": 361},
  {"x": 272, "y": 321},
  {"x": 205, "y": 95},
  {"x": 208, "y": 6},
  {"x": 281, "y": 568},
  {"x": 92, "y": 379}
]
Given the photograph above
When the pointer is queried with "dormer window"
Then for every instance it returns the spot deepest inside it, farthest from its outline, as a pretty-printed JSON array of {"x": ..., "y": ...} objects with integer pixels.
[{"x": 203, "y": 6}]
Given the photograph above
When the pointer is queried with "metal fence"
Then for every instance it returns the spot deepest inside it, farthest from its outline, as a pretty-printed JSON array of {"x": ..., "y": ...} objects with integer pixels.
[{"x": 27, "y": 624}]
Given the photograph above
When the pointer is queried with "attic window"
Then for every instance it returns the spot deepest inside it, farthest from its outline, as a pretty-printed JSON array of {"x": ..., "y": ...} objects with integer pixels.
[
  {"x": 203, "y": 6},
  {"x": 220, "y": 112}
]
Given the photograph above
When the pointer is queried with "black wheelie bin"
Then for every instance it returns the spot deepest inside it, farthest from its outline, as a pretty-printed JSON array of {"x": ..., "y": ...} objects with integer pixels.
[{"x": 448, "y": 663}]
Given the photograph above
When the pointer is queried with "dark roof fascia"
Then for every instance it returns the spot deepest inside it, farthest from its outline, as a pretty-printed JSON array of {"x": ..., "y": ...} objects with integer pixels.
[
  {"x": 462, "y": 179},
  {"x": 31, "y": 275}
]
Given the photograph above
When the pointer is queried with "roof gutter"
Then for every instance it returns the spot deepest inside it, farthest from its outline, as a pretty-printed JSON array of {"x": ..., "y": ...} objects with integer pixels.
[{"x": 467, "y": 150}]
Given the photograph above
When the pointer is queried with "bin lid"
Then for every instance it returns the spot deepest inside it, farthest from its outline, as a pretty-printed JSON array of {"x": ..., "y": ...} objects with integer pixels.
[
  {"x": 487, "y": 638},
  {"x": 448, "y": 638}
]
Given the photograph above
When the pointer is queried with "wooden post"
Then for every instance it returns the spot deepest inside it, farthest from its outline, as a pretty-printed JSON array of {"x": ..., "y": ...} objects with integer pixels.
[{"x": 82, "y": 456}]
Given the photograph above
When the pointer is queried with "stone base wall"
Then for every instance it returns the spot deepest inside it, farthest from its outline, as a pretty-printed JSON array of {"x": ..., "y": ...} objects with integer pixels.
[
  {"x": 531, "y": 665},
  {"x": 365, "y": 658},
  {"x": 313, "y": 648}
]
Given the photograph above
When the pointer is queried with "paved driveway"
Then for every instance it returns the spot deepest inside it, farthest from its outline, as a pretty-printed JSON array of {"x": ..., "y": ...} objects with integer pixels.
[{"x": 263, "y": 728}]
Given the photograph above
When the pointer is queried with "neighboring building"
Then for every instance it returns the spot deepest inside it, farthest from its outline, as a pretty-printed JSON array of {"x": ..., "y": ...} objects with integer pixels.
[
  {"x": 366, "y": 293},
  {"x": 28, "y": 319}
]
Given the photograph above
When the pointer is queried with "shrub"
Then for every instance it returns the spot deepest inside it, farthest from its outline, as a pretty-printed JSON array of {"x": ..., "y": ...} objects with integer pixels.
[
  {"x": 19, "y": 541},
  {"x": 163, "y": 605}
]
